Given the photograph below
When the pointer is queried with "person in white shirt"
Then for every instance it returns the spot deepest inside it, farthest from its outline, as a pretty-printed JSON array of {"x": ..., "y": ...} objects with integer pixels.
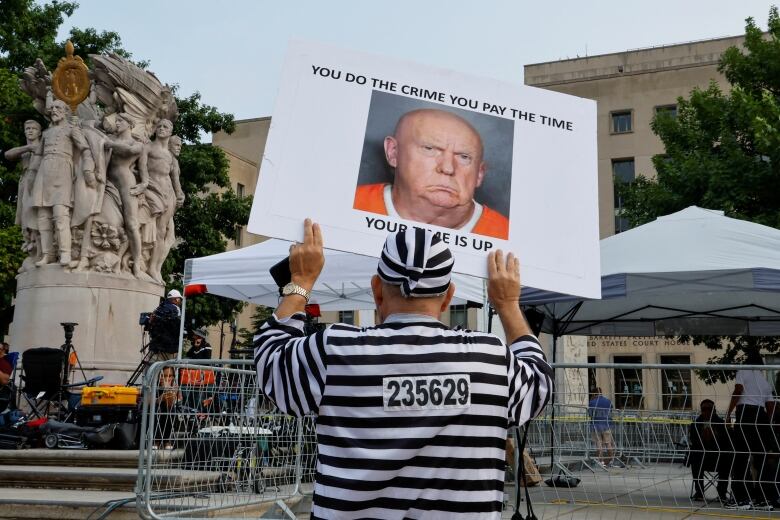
[{"x": 752, "y": 439}]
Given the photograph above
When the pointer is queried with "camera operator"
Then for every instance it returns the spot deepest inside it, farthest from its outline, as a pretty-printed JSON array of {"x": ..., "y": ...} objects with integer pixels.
[{"x": 164, "y": 326}]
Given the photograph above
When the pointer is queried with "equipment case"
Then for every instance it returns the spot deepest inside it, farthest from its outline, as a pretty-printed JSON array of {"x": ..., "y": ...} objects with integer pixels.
[{"x": 104, "y": 395}]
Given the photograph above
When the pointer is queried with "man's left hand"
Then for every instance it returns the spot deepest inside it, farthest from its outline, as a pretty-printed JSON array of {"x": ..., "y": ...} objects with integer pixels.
[{"x": 307, "y": 259}]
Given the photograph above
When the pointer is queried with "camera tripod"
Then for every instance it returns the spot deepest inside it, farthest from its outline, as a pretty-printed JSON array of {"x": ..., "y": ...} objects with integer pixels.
[{"x": 142, "y": 366}]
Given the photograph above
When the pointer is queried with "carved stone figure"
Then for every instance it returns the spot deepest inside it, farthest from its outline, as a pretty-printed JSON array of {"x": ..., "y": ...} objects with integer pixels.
[
  {"x": 122, "y": 86},
  {"x": 36, "y": 81},
  {"x": 85, "y": 206},
  {"x": 101, "y": 186},
  {"x": 88, "y": 200},
  {"x": 125, "y": 153},
  {"x": 159, "y": 165},
  {"x": 26, "y": 217},
  {"x": 52, "y": 192}
]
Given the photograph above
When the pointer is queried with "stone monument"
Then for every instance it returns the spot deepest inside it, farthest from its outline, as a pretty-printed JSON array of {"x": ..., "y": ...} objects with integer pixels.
[{"x": 96, "y": 204}]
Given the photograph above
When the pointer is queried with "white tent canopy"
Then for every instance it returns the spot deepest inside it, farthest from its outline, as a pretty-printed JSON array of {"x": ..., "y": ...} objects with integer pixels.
[
  {"x": 691, "y": 272},
  {"x": 344, "y": 284}
]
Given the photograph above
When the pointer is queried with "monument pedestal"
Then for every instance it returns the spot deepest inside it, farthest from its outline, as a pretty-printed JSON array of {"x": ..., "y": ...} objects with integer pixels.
[{"x": 108, "y": 338}]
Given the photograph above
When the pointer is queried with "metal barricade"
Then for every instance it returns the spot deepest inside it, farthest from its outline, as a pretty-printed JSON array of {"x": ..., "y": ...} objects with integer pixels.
[
  {"x": 212, "y": 445},
  {"x": 644, "y": 464}
]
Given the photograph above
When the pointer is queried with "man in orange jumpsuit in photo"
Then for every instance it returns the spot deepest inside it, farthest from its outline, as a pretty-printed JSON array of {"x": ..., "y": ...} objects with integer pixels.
[{"x": 438, "y": 158}]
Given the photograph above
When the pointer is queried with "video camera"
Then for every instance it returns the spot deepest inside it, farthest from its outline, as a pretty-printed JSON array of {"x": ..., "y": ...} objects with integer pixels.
[{"x": 144, "y": 318}]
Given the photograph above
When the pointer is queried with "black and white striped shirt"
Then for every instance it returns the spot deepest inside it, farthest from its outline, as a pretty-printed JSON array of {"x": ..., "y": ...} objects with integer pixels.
[{"x": 412, "y": 416}]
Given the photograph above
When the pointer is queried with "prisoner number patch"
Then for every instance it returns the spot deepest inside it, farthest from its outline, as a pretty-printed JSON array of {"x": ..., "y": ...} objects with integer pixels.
[{"x": 426, "y": 392}]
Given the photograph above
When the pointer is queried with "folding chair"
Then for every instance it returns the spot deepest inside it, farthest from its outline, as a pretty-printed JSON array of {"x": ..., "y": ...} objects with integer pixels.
[{"x": 43, "y": 372}]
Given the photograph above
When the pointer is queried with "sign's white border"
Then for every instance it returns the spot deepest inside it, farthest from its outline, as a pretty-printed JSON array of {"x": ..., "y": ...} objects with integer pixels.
[{"x": 312, "y": 159}]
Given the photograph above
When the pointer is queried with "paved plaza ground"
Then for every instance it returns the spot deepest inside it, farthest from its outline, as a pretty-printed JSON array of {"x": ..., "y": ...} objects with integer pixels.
[{"x": 656, "y": 491}]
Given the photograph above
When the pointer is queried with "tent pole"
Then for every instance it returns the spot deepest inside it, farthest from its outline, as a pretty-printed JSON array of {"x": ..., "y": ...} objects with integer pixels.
[
  {"x": 552, "y": 400},
  {"x": 181, "y": 326}
]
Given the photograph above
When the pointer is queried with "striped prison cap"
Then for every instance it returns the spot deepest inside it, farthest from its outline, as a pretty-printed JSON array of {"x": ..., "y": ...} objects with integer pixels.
[{"x": 418, "y": 261}]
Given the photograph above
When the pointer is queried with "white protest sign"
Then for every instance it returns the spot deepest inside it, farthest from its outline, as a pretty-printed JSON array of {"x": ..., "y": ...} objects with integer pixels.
[{"x": 367, "y": 145}]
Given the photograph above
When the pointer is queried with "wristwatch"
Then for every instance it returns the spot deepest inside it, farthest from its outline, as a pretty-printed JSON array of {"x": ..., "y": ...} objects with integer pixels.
[{"x": 294, "y": 288}]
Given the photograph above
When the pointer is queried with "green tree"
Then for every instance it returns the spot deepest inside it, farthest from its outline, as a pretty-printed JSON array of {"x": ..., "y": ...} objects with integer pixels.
[
  {"x": 261, "y": 314},
  {"x": 722, "y": 152},
  {"x": 28, "y": 31},
  {"x": 722, "y": 149},
  {"x": 212, "y": 212},
  {"x": 210, "y": 216}
]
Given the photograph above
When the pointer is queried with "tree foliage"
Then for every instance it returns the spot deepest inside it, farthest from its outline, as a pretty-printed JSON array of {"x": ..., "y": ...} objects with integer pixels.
[
  {"x": 261, "y": 314},
  {"x": 212, "y": 211},
  {"x": 209, "y": 217},
  {"x": 732, "y": 350},
  {"x": 722, "y": 151}
]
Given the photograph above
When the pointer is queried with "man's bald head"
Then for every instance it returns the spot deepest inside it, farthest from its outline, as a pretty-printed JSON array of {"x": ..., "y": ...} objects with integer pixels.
[
  {"x": 442, "y": 116},
  {"x": 438, "y": 162}
]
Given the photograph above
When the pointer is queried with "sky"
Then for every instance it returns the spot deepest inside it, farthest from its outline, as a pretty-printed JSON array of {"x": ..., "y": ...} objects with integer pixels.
[{"x": 232, "y": 51}]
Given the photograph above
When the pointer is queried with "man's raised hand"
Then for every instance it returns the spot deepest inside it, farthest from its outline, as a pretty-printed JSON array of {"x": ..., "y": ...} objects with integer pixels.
[
  {"x": 307, "y": 259},
  {"x": 503, "y": 279},
  {"x": 504, "y": 293}
]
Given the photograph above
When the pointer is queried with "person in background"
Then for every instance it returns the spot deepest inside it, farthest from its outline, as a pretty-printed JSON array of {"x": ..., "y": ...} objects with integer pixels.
[
  {"x": 6, "y": 365},
  {"x": 168, "y": 396},
  {"x": 711, "y": 449},
  {"x": 200, "y": 348},
  {"x": 164, "y": 326},
  {"x": 752, "y": 439},
  {"x": 600, "y": 413},
  {"x": 6, "y": 369},
  {"x": 8, "y": 411}
]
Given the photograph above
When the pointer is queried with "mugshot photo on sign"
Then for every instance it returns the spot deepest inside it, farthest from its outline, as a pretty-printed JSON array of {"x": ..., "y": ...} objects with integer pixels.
[{"x": 436, "y": 164}]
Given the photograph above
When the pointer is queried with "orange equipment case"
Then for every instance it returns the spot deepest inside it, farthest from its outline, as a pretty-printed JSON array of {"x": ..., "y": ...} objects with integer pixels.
[{"x": 109, "y": 395}]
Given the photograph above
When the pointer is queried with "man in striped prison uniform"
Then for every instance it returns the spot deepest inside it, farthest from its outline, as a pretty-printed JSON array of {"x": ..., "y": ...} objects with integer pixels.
[{"x": 412, "y": 416}]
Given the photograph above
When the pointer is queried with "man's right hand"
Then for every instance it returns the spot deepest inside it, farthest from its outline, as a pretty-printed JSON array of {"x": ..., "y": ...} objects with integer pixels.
[
  {"x": 307, "y": 259},
  {"x": 306, "y": 263}
]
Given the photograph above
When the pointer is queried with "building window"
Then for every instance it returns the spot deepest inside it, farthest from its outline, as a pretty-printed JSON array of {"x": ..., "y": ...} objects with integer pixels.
[
  {"x": 676, "y": 384},
  {"x": 239, "y": 234},
  {"x": 666, "y": 110},
  {"x": 628, "y": 384},
  {"x": 240, "y": 190},
  {"x": 621, "y": 122},
  {"x": 458, "y": 316},
  {"x": 592, "y": 385},
  {"x": 622, "y": 173},
  {"x": 772, "y": 361},
  {"x": 347, "y": 317}
]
